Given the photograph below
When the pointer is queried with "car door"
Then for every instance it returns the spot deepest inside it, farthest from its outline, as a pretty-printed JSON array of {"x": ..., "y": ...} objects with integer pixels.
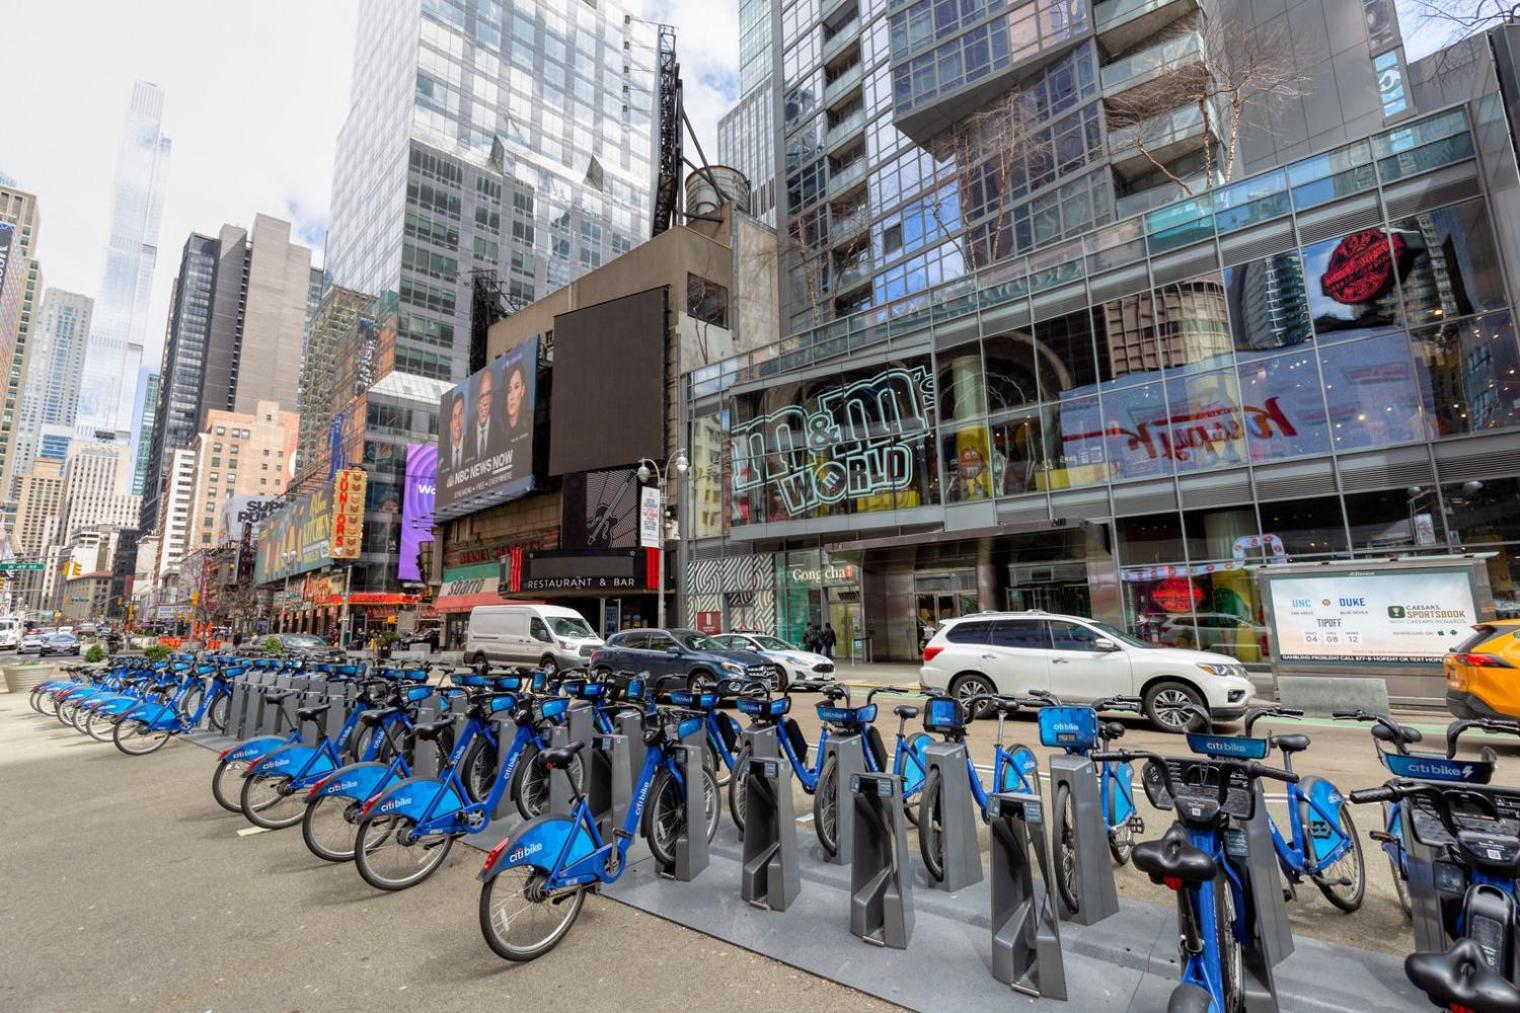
[
  {"x": 538, "y": 641},
  {"x": 1016, "y": 653},
  {"x": 622, "y": 652},
  {"x": 657, "y": 655},
  {"x": 1079, "y": 671}
]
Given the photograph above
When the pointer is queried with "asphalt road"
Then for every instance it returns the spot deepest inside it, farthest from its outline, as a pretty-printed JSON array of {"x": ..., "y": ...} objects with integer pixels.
[{"x": 124, "y": 886}]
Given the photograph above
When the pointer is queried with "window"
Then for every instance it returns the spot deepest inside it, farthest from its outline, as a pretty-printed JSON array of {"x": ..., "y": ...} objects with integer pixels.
[
  {"x": 707, "y": 300},
  {"x": 1467, "y": 374},
  {"x": 1026, "y": 634},
  {"x": 1351, "y": 283},
  {"x": 538, "y": 630},
  {"x": 1371, "y": 392},
  {"x": 1268, "y": 304},
  {"x": 969, "y": 633},
  {"x": 1069, "y": 636},
  {"x": 1447, "y": 263},
  {"x": 1282, "y": 408}
]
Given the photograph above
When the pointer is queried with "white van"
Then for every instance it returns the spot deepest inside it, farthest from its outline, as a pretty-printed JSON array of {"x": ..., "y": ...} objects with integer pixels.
[
  {"x": 545, "y": 636},
  {"x": 10, "y": 632}
]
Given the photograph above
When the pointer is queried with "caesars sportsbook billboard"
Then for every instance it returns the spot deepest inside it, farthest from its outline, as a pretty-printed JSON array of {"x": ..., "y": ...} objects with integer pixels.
[{"x": 485, "y": 447}]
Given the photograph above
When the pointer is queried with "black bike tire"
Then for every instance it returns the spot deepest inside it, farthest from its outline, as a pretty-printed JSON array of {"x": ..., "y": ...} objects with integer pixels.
[
  {"x": 219, "y": 714},
  {"x": 124, "y": 725},
  {"x": 1228, "y": 947},
  {"x": 931, "y": 838},
  {"x": 1066, "y": 844},
  {"x": 828, "y": 834},
  {"x": 716, "y": 765},
  {"x": 373, "y": 879},
  {"x": 501, "y": 949},
  {"x": 225, "y": 769},
  {"x": 664, "y": 785},
  {"x": 1348, "y": 905},
  {"x": 256, "y": 816},
  {"x": 481, "y": 750},
  {"x": 736, "y": 789},
  {"x": 1400, "y": 887},
  {"x": 527, "y": 777},
  {"x": 307, "y": 834}
]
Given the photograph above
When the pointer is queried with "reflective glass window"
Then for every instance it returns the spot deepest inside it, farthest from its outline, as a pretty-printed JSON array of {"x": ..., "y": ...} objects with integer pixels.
[
  {"x": 1282, "y": 407},
  {"x": 1371, "y": 392},
  {"x": 1268, "y": 304},
  {"x": 1136, "y": 431},
  {"x": 959, "y": 391},
  {"x": 1192, "y": 325},
  {"x": 1010, "y": 370},
  {"x": 1126, "y": 329},
  {"x": 1351, "y": 283},
  {"x": 967, "y": 457},
  {"x": 1074, "y": 443},
  {"x": 1016, "y": 457},
  {"x": 1203, "y": 428},
  {"x": 1470, "y": 374},
  {"x": 1448, "y": 263},
  {"x": 1065, "y": 359}
]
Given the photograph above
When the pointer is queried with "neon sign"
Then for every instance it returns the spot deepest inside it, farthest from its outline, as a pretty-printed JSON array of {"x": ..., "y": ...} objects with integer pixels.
[
  {"x": 1361, "y": 268},
  {"x": 858, "y": 440}
]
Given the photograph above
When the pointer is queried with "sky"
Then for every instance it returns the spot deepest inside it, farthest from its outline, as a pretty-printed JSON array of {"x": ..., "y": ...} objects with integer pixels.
[{"x": 254, "y": 96}]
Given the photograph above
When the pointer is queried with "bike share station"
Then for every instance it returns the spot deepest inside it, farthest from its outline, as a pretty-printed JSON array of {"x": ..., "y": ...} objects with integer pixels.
[{"x": 872, "y": 918}]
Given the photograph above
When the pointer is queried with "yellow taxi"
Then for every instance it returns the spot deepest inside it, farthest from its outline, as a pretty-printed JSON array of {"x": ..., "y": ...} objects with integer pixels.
[{"x": 1483, "y": 674}]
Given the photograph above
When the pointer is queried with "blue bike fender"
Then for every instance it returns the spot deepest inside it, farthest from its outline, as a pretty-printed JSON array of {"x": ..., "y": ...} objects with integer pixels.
[
  {"x": 915, "y": 766},
  {"x": 358, "y": 781},
  {"x": 1024, "y": 763},
  {"x": 538, "y": 843},
  {"x": 289, "y": 761},
  {"x": 247, "y": 752},
  {"x": 1123, "y": 808},
  {"x": 154, "y": 713},
  {"x": 1322, "y": 837},
  {"x": 411, "y": 798}
]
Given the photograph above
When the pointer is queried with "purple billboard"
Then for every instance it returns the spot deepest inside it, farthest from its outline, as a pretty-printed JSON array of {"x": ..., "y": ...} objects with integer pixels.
[{"x": 417, "y": 506}]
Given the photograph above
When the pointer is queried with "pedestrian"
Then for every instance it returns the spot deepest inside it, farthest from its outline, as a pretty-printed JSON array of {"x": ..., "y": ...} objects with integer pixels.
[
  {"x": 810, "y": 637},
  {"x": 237, "y": 639},
  {"x": 827, "y": 639}
]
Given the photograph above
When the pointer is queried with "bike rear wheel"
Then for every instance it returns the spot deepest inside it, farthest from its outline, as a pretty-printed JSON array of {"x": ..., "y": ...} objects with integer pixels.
[
  {"x": 718, "y": 767},
  {"x": 326, "y": 830},
  {"x": 226, "y": 787},
  {"x": 48, "y": 704},
  {"x": 531, "y": 792},
  {"x": 266, "y": 803},
  {"x": 191, "y": 702},
  {"x": 478, "y": 770},
  {"x": 65, "y": 712},
  {"x": 1345, "y": 883},
  {"x": 826, "y": 806},
  {"x": 216, "y": 717},
  {"x": 521, "y": 922},
  {"x": 80, "y": 719},
  {"x": 135, "y": 739},
  {"x": 1400, "y": 886},
  {"x": 1067, "y": 882},
  {"x": 391, "y": 855},
  {"x": 931, "y": 839},
  {"x": 98, "y": 726}
]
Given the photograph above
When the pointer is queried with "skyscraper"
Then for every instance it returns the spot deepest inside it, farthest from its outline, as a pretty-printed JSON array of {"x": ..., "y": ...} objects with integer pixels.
[
  {"x": 246, "y": 291},
  {"x": 20, "y": 293},
  {"x": 508, "y": 136},
  {"x": 50, "y": 394},
  {"x": 120, "y": 323},
  {"x": 147, "y": 416},
  {"x": 746, "y": 134}
]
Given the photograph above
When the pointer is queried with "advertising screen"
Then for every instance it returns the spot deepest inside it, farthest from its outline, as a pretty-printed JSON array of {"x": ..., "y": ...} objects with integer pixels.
[
  {"x": 486, "y": 444},
  {"x": 246, "y": 510},
  {"x": 7, "y": 238},
  {"x": 297, "y": 539},
  {"x": 417, "y": 506},
  {"x": 1395, "y": 617}
]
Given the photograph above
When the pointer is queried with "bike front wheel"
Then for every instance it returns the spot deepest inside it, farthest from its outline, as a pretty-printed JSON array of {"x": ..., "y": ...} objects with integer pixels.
[
  {"x": 135, "y": 738},
  {"x": 519, "y": 920},
  {"x": 326, "y": 830},
  {"x": 216, "y": 717},
  {"x": 736, "y": 788},
  {"x": 392, "y": 855},
  {"x": 1345, "y": 882},
  {"x": 931, "y": 840},
  {"x": 826, "y": 806},
  {"x": 531, "y": 790},
  {"x": 224, "y": 785},
  {"x": 667, "y": 813},
  {"x": 266, "y": 803},
  {"x": 1067, "y": 882}
]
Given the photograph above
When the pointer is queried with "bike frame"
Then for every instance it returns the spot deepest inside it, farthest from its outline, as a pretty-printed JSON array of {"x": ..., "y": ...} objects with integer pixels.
[
  {"x": 455, "y": 821},
  {"x": 1293, "y": 855},
  {"x": 1002, "y": 761},
  {"x": 1116, "y": 793},
  {"x": 1198, "y": 912},
  {"x": 806, "y": 776}
]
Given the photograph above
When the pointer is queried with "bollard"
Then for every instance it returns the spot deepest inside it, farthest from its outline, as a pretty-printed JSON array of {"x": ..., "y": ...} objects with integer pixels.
[
  {"x": 607, "y": 783},
  {"x": 770, "y": 878},
  {"x": 691, "y": 843},
  {"x": 881, "y": 893},
  {"x": 1026, "y": 934},
  {"x": 630, "y": 725}
]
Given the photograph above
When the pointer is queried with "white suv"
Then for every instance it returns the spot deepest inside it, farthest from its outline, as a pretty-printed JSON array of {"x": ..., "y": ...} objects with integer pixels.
[{"x": 1080, "y": 660}]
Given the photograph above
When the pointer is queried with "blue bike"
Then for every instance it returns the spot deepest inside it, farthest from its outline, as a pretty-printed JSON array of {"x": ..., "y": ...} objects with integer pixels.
[
  {"x": 1208, "y": 794},
  {"x": 536, "y": 880},
  {"x": 1013, "y": 769},
  {"x": 144, "y": 728}
]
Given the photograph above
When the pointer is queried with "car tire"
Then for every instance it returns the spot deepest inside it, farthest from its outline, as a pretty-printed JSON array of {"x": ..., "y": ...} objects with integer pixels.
[
  {"x": 782, "y": 681},
  {"x": 549, "y": 666},
  {"x": 1163, "y": 701},
  {"x": 479, "y": 659},
  {"x": 971, "y": 684},
  {"x": 699, "y": 680}
]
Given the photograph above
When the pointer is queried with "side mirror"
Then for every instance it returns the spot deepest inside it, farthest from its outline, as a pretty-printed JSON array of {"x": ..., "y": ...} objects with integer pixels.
[
  {"x": 1104, "y": 644},
  {"x": 673, "y": 651}
]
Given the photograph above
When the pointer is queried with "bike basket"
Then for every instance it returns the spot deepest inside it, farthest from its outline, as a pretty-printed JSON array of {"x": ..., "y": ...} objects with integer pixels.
[
  {"x": 634, "y": 690},
  {"x": 470, "y": 680},
  {"x": 554, "y": 708},
  {"x": 592, "y": 690},
  {"x": 507, "y": 683},
  {"x": 1197, "y": 781},
  {"x": 688, "y": 727},
  {"x": 847, "y": 715},
  {"x": 1434, "y": 767},
  {"x": 758, "y": 708},
  {"x": 943, "y": 715},
  {"x": 417, "y": 694},
  {"x": 1074, "y": 728},
  {"x": 1234, "y": 747}
]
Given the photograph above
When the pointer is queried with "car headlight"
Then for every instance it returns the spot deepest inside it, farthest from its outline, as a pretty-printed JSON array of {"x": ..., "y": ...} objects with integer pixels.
[
  {"x": 732, "y": 667},
  {"x": 1214, "y": 669}
]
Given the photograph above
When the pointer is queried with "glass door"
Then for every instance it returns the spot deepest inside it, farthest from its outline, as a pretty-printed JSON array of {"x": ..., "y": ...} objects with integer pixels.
[{"x": 849, "y": 630}]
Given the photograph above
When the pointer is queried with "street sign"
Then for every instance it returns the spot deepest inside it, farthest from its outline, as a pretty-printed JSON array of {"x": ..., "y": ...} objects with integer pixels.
[{"x": 16, "y": 564}]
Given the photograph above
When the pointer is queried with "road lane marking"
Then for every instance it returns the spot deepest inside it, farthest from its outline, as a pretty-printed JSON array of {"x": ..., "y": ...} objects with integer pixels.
[{"x": 250, "y": 831}]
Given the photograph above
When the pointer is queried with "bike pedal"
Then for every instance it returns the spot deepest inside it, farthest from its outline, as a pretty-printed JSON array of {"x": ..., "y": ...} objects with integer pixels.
[{"x": 1383, "y": 837}]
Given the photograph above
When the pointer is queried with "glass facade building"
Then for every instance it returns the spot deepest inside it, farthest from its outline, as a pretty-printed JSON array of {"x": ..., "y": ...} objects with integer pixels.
[{"x": 513, "y": 136}]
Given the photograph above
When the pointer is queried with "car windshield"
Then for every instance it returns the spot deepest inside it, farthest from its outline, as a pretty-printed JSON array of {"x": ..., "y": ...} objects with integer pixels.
[
  {"x": 773, "y": 644},
  {"x": 577, "y": 628},
  {"x": 1119, "y": 635},
  {"x": 694, "y": 641},
  {"x": 303, "y": 640}
]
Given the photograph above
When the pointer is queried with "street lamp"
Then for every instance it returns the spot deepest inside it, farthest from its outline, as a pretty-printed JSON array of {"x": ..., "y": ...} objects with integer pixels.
[{"x": 649, "y": 470}]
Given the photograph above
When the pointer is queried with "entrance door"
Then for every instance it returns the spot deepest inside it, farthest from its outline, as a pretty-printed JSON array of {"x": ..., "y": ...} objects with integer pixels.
[
  {"x": 844, "y": 614},
  {"x": 1060, "y": 588},
  {"x": 934, "y": 609}
]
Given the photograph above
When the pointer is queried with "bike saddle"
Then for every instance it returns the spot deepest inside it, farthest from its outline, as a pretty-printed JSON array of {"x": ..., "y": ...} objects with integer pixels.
[
  {"x": 1461, "y": 979},
  {"x": 560, "y": 756},
  {"x": 275, "y": 696},
  {"x": 1289, "y": 743},
  {"x": 1406, "y": 734},
  {"x": 313, "y": 713},
  {"x": 433, "y": 729},
  {"x": 1174, "y": 859},
  {"x": 1112, "y": 730},
  {"x": 905, "y": 710},
  {"x": 375, "y": 718}
]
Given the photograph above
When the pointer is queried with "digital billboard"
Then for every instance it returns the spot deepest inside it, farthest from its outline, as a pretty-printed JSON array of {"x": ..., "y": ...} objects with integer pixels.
[
  {"x": 1391, "y": 617},
  {"x": 297, "y": 539},
  {"x": 349, "y": 486},
  {"x": 7, "y": 238},
  {"x": 486, "y": 443},
  {"x": 609, "y": 384},
  {"x": 417, "y": 506}
]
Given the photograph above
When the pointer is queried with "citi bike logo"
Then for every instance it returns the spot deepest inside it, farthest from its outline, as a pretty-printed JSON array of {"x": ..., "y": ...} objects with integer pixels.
[
  {"x": 343, "y": 786},
  {"x": 518, "y": 854},
  {"x": 643, "y": 794},
  {"x": 1440, "y": 769},
  {"x": 396, "y": 803}
]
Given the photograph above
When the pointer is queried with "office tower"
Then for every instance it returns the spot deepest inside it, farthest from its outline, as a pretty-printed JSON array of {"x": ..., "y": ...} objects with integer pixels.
[
  {"x": 20, "y": 296},
  {"x": 96, "y": 479},
  {"x": 147, "y": 419},
  {"x": 234, "y": 337},
  {"x": 746, "y": 134},
  {"x": 238, "y": 454},
  {"x": 50, "y": 394},
  {"x": 39, "y": 510},
  {"x": 333, "y": 336},
  {"x": 318, "y": 283},
  {"x": 513, "y": 137},
  {"x": 119, "y": 327},
  {"x": 174, "y": 512}
]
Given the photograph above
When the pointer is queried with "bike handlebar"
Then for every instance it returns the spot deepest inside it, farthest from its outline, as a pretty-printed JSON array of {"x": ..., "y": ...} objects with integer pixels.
[
  {"x": 1456, "y": 728},
  {"x": 1251, "y": 768},
  {"x": 1274, "y": 711}
]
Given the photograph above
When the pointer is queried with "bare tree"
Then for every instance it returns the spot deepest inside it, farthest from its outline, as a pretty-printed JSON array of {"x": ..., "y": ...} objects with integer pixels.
[
  {"x": 1464, "y": 17},
  {"x": 1242, "y": 70}
]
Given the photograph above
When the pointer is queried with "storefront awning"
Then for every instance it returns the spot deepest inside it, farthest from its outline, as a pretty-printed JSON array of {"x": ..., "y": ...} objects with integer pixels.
[{"x": 452, "y": 603}]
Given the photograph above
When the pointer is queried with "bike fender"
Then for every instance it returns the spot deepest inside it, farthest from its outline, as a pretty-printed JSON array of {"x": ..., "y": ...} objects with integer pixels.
[
  {"x": 1322, "y": 839},
  {"x": 283, "y": 762},
  {"x": 253, "y": 749},
  {"x": 154, "y": 713},
  {"x": 1122, "y": 806},
  {"x": 1024, "y": 763},
  {"x": 538, "y": 843},
  {"x": 358, "y": 781},
  {"x": 412, "y": 797},
  {"x": 913, "y": 773}
]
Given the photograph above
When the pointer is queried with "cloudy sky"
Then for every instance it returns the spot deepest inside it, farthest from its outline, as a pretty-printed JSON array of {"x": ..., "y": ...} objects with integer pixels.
[{"x": 255, "y": 94}]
